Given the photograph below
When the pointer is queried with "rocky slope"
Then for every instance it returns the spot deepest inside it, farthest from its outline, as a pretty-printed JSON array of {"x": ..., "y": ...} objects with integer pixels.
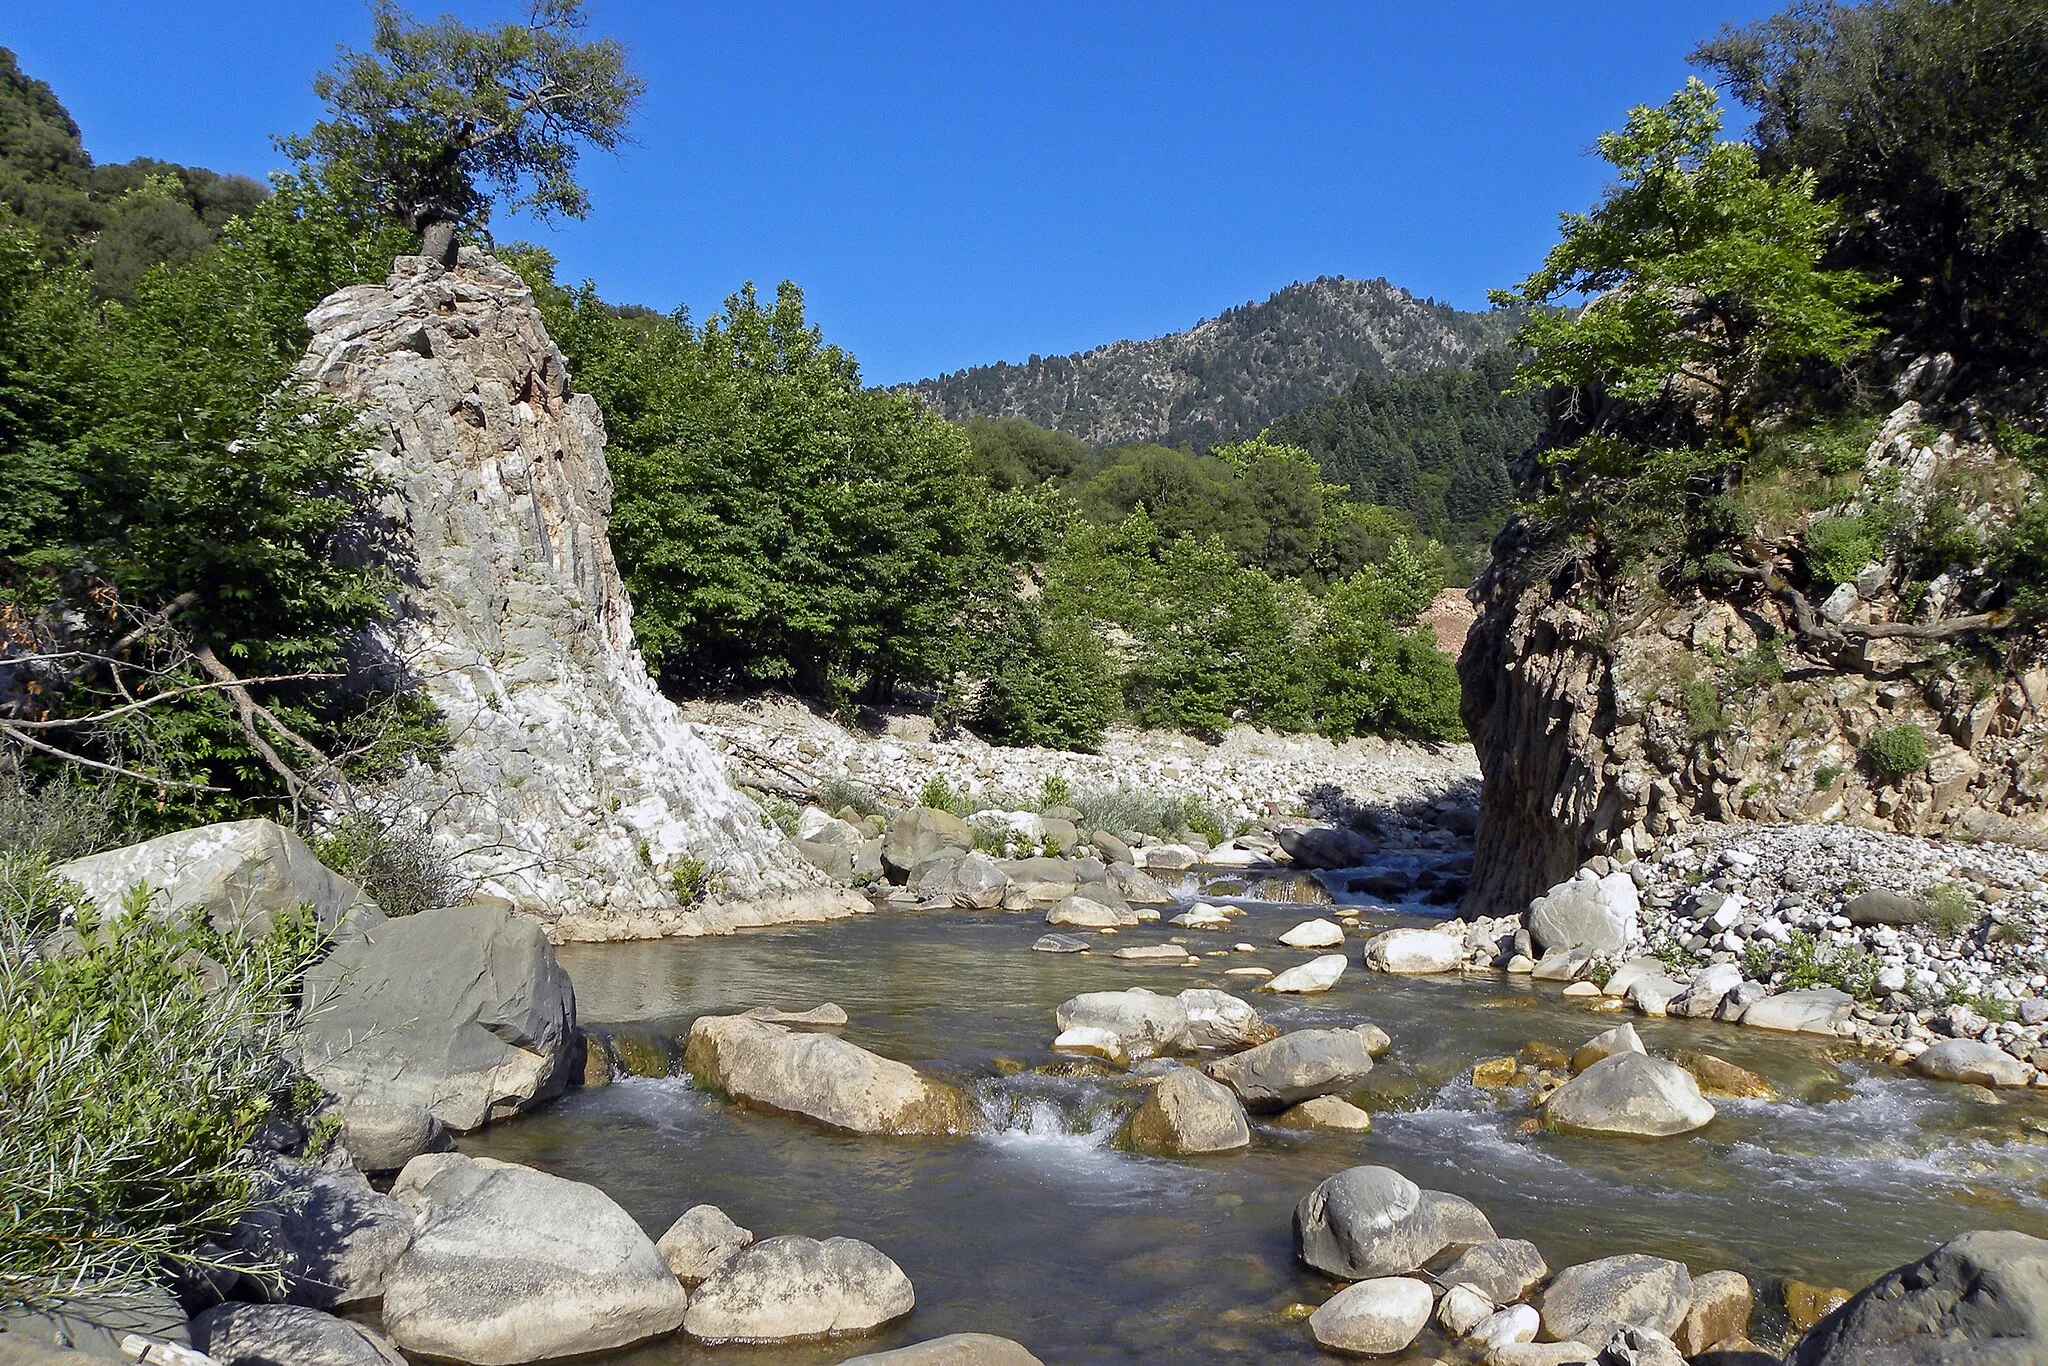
[
  {"x": 1230, "y": 376},
  {"x": 1607, "y": 715},
  {"x": 571, "y": 787}
]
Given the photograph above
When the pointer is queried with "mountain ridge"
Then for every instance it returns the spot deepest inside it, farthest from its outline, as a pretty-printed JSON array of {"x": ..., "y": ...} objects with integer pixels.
[{"x": 1228, "y": 376}]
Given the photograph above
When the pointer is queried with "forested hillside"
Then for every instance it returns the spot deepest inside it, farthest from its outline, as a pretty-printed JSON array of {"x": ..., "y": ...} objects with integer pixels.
[{"x": 1231, "y": 376}]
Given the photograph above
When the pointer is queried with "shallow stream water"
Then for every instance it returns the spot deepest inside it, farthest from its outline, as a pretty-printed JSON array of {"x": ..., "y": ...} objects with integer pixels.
[{"x": 1039, "y": 1229}]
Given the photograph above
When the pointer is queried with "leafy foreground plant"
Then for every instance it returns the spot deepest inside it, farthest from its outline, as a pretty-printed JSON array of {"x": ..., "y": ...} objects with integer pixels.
[{"x": 136, "y": 1070}]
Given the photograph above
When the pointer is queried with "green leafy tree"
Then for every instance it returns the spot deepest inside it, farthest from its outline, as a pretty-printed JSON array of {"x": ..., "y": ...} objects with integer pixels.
[
  {"x": 436, "y": 119},
  {"x": 1708, "y": 286},
  {"x": 1928, "y": 120}
]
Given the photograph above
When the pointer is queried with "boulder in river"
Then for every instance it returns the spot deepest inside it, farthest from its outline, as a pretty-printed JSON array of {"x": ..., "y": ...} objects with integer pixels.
[
  {"x": 1326, "y": 1113},
  {"x": 1517, "y": 1323},
  {"x": 1977, "y": 1300},
  {"x": 1718, "y": 1311},
  {"x": 462, "y": 1011},
  {"x": 1505, "y": 1269},
  {"x": 288, "y": 1335},
  {"x": 244, "y": 874},
  {"x": 1372, "y": 1221},
  {"x": 1374, "y": 1317},
  {"x": 955, "y": 1349},
  {"x": 1701, "y": 1000},
  {"x": 1969, "y": 1060},
  {"x": 793, "y": 1287},
  {"x": 1463, "y": 1308},
  {"x": 700, "y": 1241},
  {"x": 1295, "y": 1067},
  {"x": 1314, "y": 934},
  {"x": 1144, "y": 1022},
  {"x": 1086, "y": 913},
  {"x": 509, "y": 1264},
  {"x": 1307, "y": 979},
  {"x": 1216, "y": 1019},
  {"x": 1629, "y": 1093},
  {"x": 1413, "y": 952},
  {"x": 1186, "y": 1114},
  {"x": 1814, "y": 1010},
  {"x": 1601, "y": 914},
  {"x": 1620, "y": 1039},
  {"x": 1719, "y": 1077},
  {"x": 1318, "y": 846},
  {"x": 1060, "y": 943},
  {"x": 971, "y": 881},
  {"x": 383, "y": 1135},
  {"x": 918, "y": 835},
  {"x": 332, "y": 1238},
  {"x": 1587, "y": 1302},
  {"x": 820, "y": 1077}
]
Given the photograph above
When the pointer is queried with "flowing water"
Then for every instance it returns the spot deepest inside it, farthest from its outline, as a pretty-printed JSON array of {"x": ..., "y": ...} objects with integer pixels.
[{"x": 1041, "y": 1230}]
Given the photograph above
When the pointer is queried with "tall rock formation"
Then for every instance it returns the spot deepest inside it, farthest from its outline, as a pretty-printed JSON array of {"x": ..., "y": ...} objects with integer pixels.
[
  {"x": 1607, "y": 713},
  {"x": 572, "y": 788}
]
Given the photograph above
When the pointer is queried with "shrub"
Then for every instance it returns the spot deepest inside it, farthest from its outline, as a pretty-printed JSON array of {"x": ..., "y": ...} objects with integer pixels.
[
  {"x": 1837, "y": 548},
  {"x": 937, "y": 794},
  {"x": 135, "y": 1072},
  {"x": 62, "y": 818},
  {"x": 1894, "y": 751},
  {"x": 1824, "y": 776},
  {"x": 1705, "y": 714},
  {"x": 837, "y": 794},
  {"x": 1053, "y": 686},
  {"x": 1950, "y": 909},
  {"x": 395, "y": 862},
  {"x": 38, "y": 900},
  {"x": 689, "y": 879},
  {"x": 1055, "y": 791}
]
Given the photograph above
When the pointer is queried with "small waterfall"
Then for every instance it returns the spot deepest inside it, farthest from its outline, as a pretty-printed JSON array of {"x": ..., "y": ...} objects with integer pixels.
[{"x": 1057, "y": 1112}]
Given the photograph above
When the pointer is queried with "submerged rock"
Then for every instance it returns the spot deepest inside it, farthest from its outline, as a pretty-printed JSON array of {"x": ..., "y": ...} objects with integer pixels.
[
  {"x": 1629, "y": 1093},
  {"x": 1325, "y": 1112},
  {"x": 793, "y": 1287},
  {"x": 1185, "y": 1114},
  {"x": 509, "y": 1265},
  {"x": 1372, "y": 1221},
  {"x": 1587, "y": 1302},
  {"x": 1720, "y": 1077},
  {"x": 1374, "y": 1317},
  {"x": 1060, "y": 943},
  {"x": 1977, "y": 1300},
  {"x": 819, "y": 1076},
  {"x": 1295, "y": 1067}
]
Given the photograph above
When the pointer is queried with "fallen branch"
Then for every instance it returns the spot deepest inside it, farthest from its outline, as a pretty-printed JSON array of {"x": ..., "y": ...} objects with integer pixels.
[{"x": 1838, "y": 633}]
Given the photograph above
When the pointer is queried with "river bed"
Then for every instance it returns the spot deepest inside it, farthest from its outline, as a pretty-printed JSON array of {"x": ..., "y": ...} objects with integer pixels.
[{"x": 1040, "y": 1230}]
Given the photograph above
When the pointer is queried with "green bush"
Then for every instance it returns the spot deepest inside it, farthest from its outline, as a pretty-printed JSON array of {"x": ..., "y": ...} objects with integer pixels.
[
  {"x": 135, "y": 1071},
  {"x": 395, "y": 862},
  {"x": 1053, "y": 686},
  {"x": 838, "y": 794},
  {"x": 1838, "y": 548},
  {"x": 1055, "y": 791},
  {"x": 1897, "y": 750},
  {"x": 1950, "y": 909},
  {"x": 689, "y": 880},
  {"x": 938, "y": 795}
]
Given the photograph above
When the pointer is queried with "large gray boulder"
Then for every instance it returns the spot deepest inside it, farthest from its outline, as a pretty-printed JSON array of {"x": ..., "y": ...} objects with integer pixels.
[
  {"x": 1812, "y": 1010},
  {"x": 332, "y": 1237},
  {"x": 383, "y": 1135},
  {"x": 1145, "y": 1022},
  {"x": 288, "y": 1335},
  {"x": 922, "y": 834},
  {"x": 463, "y": 1012},
  {"x": 1090, "y": 910},
  {"x": 702, "y": 1239},
  {"x": 820, "y": 1077},
  {"x": 1587, "y": 1302},
  {"x": 1375, "y": 1317},
  {"x": 1601, "y": 914},
  {"x": 509, "y": 1264},
  {"x": 1372, "y": 1221},
  {"x": 1977, "y": 1300},
  {"x": 1295, "y": 1067},
  {"x": 793, "y": 1287},
  {"x": 971, "y": 882},
  {"x": 1969, "y": 1060},
  {"x": 1506, "y": 1269},
  {"x": 243, "y": 874},
  {"x": 1326, "y": 847},
  {"x": 1629, "y": 1093},
  {"x": 1186, "y": 1114},
  {"x": 1216, "y": 1019},
  {"x": 955, "y": 1349}
]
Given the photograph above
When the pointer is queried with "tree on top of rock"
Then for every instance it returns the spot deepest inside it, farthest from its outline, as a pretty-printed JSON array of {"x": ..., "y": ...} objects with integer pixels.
[{"x": 437, "y": 120}]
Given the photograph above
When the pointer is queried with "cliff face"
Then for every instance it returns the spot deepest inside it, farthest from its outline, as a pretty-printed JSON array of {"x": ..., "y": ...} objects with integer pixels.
[
  {"x": 572, "y": 787},
  {"x": 1607, "y": 715}
]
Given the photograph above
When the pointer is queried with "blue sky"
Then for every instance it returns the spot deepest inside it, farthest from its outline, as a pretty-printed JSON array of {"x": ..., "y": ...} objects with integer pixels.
[{"x": 960, "y": 183}]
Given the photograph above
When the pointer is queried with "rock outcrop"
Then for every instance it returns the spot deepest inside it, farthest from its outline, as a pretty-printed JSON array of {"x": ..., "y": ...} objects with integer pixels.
[
  {"x": 1605, "y": 716},
  {"x": 572, "y": 788}
]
